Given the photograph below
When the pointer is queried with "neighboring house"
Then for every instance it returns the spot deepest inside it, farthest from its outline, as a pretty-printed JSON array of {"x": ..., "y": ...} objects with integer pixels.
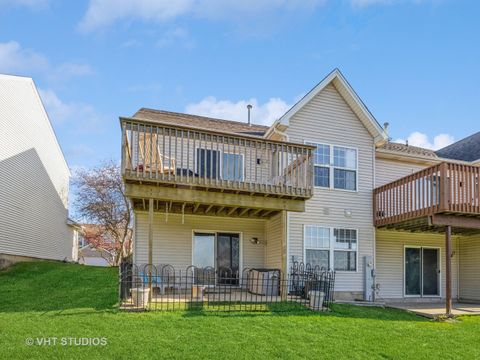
[
  {"x": 34, "y": 179},
  {"x": 87, "y": 255},
  {"x": 96, "y": 253},
  {"x": 322, "y": 185}
]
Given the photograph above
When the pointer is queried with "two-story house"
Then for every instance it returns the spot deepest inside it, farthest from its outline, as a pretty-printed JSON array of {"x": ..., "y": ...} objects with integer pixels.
[{"x": 321, "y": 186}]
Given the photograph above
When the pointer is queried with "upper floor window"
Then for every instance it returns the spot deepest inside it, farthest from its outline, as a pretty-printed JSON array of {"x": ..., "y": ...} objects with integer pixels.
[{"x": 335, "y": 167}]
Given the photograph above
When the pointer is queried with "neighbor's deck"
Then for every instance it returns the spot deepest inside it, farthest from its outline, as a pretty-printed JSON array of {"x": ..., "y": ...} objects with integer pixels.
[{"x": 428, "y": 200}]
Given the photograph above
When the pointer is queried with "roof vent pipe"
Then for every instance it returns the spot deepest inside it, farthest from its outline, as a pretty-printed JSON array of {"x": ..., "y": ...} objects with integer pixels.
[
  {"x": 249, "y": 107},
  {"x": 385, "y": 128}
]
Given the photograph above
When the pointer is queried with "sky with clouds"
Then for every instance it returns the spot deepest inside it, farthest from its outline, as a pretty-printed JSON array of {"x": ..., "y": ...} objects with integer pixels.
[{"x": 413, "y": 62}]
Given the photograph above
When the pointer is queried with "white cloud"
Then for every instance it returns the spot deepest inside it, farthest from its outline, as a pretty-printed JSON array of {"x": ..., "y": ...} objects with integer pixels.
[
  {"x": 102, "y": 13},
  {"x": 264, "y": 114},
  {"x": 14, "y": 59},
  {"x": 81, "y": 117},
  {"x": 422, "y": 140}
]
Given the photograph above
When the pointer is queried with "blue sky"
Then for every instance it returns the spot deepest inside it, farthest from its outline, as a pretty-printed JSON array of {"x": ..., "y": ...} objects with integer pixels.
[{"x": 415, "y": 63}]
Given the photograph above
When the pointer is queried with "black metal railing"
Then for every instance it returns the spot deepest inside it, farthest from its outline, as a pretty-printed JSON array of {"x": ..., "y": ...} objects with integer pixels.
[{"x": 162, "y": 287}]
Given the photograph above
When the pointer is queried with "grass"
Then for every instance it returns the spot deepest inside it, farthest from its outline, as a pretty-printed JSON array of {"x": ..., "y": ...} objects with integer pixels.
[{"x": 47, "y": 299}]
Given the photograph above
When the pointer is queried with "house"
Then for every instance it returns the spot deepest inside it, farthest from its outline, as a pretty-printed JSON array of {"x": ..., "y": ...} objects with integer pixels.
[
  {"x": 323, "y": 185},
  {"x": 96, "y": 246},
  {"x": 34, "y": 179}
]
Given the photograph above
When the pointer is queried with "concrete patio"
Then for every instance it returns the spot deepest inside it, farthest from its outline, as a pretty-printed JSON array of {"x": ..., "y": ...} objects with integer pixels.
[{"x": 432, "y": 310}]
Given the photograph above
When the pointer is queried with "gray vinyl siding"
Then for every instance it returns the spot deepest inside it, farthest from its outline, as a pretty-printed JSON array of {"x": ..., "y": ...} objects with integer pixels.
[
  {"x": 390, "y": 260},
  {"x": 469, "y": 251},
  {"x": 387, "y": 170},
  {"x": 328, "y": 119},
  {"x": 33, "y": 177},
  {"x": 172, "y": 240}
]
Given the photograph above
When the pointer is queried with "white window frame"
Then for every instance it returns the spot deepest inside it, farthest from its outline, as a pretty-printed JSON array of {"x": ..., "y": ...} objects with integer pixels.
[
  {"x": 331, "y": 167},
  {"x": 440, "y": 292},
  {"x": 332, "y": 246}
]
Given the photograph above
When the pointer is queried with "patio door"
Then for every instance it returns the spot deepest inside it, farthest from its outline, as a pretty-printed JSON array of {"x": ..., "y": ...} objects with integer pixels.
[
  {"x": 422, "y": 271},
  {"x": 228, "y": 258},
  {"x": 220, "y": 251}
]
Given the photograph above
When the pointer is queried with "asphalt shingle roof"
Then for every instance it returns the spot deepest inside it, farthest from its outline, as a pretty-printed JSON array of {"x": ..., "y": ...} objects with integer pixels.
[
  {"x": 201, "y": 122},
  {"x": 467, "y": 149},
  {"x": 408, "y": 149}
]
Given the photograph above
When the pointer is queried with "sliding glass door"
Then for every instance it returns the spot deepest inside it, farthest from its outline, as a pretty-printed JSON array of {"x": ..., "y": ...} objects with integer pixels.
[
  {"x": 422, "y": 271},
  {"x": 220, "y": 251}
]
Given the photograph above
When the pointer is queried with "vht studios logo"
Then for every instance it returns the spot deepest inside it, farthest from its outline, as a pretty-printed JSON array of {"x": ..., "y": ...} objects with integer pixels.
[{"x": 66, "y": 341}]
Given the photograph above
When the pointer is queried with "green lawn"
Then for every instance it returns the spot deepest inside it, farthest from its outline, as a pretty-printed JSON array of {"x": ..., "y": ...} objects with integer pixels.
[{"x": 46, "y": 299}]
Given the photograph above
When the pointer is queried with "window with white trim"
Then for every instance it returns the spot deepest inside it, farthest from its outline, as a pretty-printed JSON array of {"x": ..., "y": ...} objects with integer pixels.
[
  {"x": 330, "y": 247},
  {"x": 317, "y": 246},
  {"x": 345, "y": 249},
  {"x": 335, "y": 167}
]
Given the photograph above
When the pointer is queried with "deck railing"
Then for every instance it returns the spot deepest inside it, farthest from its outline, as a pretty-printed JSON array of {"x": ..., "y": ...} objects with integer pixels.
[
  {"x": 181, "y": 155},
  {"x": 443, "y": 188},
  {"x": 163, "y": 288}
]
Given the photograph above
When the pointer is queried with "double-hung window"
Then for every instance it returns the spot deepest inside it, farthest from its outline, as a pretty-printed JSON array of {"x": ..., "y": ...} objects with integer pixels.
[
  {"x": 345, "y": 249},
  {"x": 335, "y": 167},
  {"x": 317, "y": 246},
  {"x": 331, "y": 248}
]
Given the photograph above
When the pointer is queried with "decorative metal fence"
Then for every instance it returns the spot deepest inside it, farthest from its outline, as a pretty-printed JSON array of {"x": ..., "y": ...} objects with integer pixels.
[{"x": 162, "y": 288}]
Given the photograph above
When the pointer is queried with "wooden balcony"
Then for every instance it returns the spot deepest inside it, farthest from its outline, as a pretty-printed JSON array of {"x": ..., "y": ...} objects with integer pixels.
[
  {"x": 196, "y": 169},
  {"x": 444, "y": 194}
]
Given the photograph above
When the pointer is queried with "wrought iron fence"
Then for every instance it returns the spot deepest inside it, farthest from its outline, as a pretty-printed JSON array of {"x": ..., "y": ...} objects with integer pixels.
[{"x": 162, "y": 287}]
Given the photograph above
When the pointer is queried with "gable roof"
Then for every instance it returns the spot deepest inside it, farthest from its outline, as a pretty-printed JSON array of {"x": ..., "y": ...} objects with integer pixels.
[
  {"x": 201, "y": 122},
  {"x": 467, "y": 149},
  {"x": 350, "y": 97}
]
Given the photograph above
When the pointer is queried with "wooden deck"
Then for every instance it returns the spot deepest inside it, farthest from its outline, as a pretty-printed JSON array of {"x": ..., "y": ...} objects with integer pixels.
[
  {"x": 430, "y": 199},
  {"x": 193, "y": 171}
]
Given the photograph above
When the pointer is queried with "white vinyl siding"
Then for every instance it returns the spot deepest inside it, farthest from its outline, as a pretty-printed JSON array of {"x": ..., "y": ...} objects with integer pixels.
[
  {"x": 469, "y": 253},
  {"x": 34, "y": 177},
  {"x": 172, "y": 240},
  {"x": 390, "y": 260},
  {"x": 327, "y": 119},
  {"x": 387, "y": 170}
]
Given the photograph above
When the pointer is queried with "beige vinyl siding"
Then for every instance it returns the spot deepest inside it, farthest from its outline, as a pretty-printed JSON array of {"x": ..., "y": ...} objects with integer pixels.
[
  {"x": 387, "y": 170},
  {"x": 274, "y": 231},
  {"x": 34, "y": 177},
  {"x": 184, "y": 152},
  {"x": 172, "y": 240},
  {"x": 328, "y": 119},
  {"x": 469, "y": 253},
  {"x": 390, "y": 260}
]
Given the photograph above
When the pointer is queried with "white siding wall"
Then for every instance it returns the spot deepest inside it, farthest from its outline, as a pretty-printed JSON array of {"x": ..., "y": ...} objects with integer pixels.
[
  {"x": 387, "y": 170},
  {"x": 469, "y": 250},
  {"x": 172, "y": 240},
  {"x": 33, "y": 177},
  {"x": 328, "y": 119},
  {"x": 390, "y": 260}
]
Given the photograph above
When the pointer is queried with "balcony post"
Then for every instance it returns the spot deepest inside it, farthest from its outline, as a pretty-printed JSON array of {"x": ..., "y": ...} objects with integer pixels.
[
  {"x": 444, "y": 190},
  {"x": 150, "y": 247},
  {"x": 448, "y": 270}
]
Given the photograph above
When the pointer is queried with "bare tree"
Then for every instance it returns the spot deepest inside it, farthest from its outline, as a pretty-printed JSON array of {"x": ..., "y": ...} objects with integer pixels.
[{"x": 100, "y": 200}]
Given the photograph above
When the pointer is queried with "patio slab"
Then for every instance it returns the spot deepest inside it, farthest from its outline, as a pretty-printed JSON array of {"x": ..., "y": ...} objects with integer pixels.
[{"x": 432, "y": 310}]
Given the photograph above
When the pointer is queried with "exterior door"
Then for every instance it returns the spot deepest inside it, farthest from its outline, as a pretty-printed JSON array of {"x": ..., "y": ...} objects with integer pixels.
[
  {"x": 228, "y": 258},
  {"x": 422, "y": 271}
]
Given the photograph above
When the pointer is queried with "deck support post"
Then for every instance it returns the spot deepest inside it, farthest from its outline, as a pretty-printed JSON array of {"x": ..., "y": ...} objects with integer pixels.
[
  {"x": 448, "y": 270},
  {"x": 150, "y": 247},
  {"x": 284, "y": 275}
]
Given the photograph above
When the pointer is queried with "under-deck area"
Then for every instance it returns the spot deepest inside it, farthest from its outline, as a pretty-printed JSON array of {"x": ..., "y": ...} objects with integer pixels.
[{"x": 442, "y": 199}]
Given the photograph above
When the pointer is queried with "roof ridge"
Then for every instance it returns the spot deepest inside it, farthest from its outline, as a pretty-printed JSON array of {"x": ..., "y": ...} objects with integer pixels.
[{"x": 158, "y": 111}]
